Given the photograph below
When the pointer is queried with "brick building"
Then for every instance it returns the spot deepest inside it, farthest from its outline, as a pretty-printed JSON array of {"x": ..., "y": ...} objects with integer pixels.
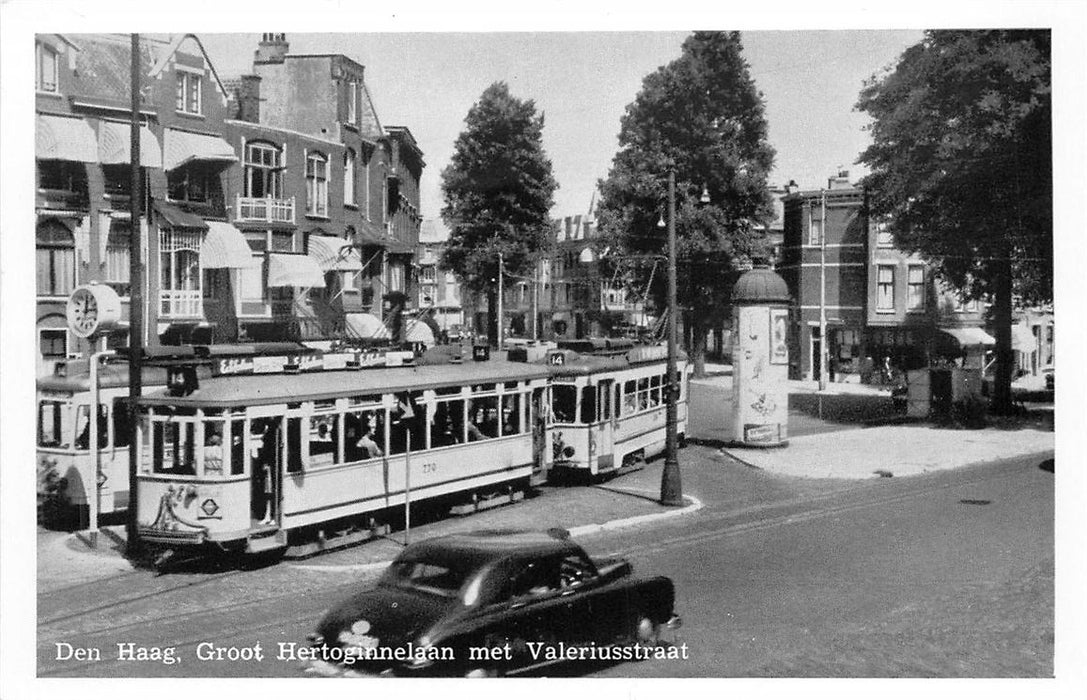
[
  {"x": 881, "y": 303},
  {"x": 439, "y": 292}
]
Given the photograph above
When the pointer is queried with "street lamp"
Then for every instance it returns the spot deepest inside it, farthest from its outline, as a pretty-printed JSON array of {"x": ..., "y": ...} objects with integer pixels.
[{"x": 671, "y": 483}]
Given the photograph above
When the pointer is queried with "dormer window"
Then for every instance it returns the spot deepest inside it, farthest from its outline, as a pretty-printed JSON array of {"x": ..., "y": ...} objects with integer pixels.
[
  {"x": 188, "y": 92},
  {"x": 352, "y": 102},
  {"x": 47, "y": 68}
]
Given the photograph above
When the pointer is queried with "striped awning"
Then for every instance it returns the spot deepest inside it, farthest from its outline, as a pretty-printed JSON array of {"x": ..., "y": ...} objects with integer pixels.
[
  {"x": 64, "y": 138},
  {"x": 367, "y": 326},
  {"x": 225, "y": 247},
  {"x": 334, "y": 254},
  {"x": 181, "y": 147},
  {"x": 114, "y": 145},
  {"x": 288, "y": 270},
  {"x": 419, "y": 332}
]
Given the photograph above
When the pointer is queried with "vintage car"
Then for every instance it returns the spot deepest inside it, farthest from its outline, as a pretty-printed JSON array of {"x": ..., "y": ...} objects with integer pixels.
[{"x": 493, "y": 603}]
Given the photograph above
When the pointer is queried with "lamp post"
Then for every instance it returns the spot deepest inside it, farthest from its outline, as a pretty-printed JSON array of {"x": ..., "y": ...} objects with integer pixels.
[{"x": 671, "y": 483}]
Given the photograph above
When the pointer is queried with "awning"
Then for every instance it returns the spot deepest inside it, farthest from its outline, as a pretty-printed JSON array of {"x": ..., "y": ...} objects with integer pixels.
[
  {"x": 969, "y": 337},
  {"x": 64, "y": 138},
  {"x": 367, "y": 326},
  {"x": 114, "y": 141},
  {"x": 397, "y": 247},
  {"x": 334, "y": 254},
  {"x": 180, "y": 147},
  {"x": 1022, "y": 338},
  {"x": 225, "y": 247},
  {"x": 176, "y": 218},
  {"x": 287, "y": 270},
  {"x": 419, "y": 332}
]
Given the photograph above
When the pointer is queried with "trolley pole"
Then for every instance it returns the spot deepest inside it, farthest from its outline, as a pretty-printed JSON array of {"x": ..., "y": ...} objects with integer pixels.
[
  {"x": 501, "y": 330},
  {"x": 135, "y": 305},
  {"x": 671, "y": 483}
]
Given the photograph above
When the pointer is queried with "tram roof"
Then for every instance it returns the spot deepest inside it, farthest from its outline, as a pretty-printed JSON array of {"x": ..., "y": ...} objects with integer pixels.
[
  {"x": 75, "y": 376},
  {"x": 264, "y": 389}
]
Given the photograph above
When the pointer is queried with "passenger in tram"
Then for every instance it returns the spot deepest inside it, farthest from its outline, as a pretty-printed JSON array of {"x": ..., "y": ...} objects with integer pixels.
[
  {"x": 474, "y": 433},
  {"x": 213, "y": 454},
  {"x": 263, "y": 455},
  {"x": 366, "y": 444}
]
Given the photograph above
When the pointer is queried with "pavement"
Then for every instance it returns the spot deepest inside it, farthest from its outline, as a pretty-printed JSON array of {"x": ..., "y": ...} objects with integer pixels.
[{"x": 851, "y": 444}]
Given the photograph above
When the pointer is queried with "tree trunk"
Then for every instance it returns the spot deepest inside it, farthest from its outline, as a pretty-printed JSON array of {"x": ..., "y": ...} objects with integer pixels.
[
  {"x": 698, "y": 345},
  {"x": 1002, "y": 321}
]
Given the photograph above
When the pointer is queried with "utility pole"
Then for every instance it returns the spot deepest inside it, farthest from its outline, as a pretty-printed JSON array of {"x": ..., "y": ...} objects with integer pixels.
[
  {"x": 823, "y": 340},
  {"x": 535, "y": 301},
  {"x": 671, "y": 483},
  {"x": 135, "y": 305},
  {"x": 500, "y": 295}
]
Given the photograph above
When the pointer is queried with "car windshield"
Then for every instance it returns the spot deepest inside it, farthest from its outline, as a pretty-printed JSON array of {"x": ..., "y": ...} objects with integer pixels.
[{"x": 426, "y": 576}]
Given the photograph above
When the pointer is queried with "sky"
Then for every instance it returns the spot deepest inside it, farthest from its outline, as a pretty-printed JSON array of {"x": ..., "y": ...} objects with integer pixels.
[{"x": 583, "y": 82}]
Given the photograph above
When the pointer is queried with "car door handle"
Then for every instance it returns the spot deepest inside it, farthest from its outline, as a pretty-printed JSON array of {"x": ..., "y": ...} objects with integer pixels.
[
  {"x": 514, "y": 606},
  {"x": 567, "y": 592}
]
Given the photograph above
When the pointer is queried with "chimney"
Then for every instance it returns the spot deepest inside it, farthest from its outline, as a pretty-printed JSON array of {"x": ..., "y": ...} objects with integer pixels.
[
  {"x": 271, "y": 49},
  {"x": 248, "y": 96},
  {"x": 840, "y": 181},
  {"x": 792, "y": 187}
]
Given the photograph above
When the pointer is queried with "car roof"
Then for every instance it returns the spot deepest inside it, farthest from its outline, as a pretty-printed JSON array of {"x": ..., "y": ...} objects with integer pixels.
[{"x": 486, "y": 546}]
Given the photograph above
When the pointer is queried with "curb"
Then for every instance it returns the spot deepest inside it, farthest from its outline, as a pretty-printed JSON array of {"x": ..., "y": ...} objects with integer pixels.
[{"x": 694, "y": 504}]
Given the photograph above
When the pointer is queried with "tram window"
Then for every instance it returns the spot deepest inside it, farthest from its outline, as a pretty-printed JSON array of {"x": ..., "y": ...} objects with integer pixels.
[
  {"x": 364, "y": 435},
  {"x": 447, "y": 390},
  {"x": 588, "y": 404},
  {"x": 511, "y": 414},
  {"x": 615, "y": 399},
  {"x": 630, "y": 397},
  {"x": 409, "y": 418},
  {"x": 51, "y": 424},
  {"x": 564, "y": 403},
  {"x": 483, "y": 418},
  {"x": 323, "y": 443},
  {"x": 294, "y": 444},
  {"x": 237, "y": 447},
  {"x": 654, "y": 391},
  {"x": 447, "y": 428},
  {"x": 174, "y": 447},
  {"x": 605, "y": 400},
  {"x": 364, "y": 400},
  {"x": 83, "y": 427},
  {"x": 213, "y": 448},
  {"x": 643, "y": 393},
  {"x": 122, "y": 426}
]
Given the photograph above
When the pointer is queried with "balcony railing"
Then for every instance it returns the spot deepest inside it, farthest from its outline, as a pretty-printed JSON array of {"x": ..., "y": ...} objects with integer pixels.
[
  {"x": 265, "y": 209},
  {"x": 181, "y": 303}
]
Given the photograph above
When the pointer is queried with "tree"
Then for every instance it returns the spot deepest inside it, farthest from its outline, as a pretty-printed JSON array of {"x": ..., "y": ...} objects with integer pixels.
[
  {"x": 702, "y": 117},
  {"x": 498, "y": 192},
  {"x": 961, "y": 167}
]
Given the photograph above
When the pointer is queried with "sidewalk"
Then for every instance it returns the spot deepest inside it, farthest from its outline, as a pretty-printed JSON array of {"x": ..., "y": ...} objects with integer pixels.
[{"x": 902, "y": 450}]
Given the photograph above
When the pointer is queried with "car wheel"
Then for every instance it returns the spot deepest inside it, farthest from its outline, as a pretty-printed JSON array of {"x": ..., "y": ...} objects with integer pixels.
[{"x": 648, "y": 633}]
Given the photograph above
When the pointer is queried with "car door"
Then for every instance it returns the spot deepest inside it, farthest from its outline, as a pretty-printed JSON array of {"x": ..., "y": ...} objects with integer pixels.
[
  {"x": 596, "y": 608},
  {"x": 538, "y": 614}
]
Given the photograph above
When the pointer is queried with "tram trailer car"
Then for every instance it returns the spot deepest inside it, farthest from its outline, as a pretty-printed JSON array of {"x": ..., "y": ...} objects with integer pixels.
[
  {"x": 609, "y": 405},
  {"x": 65, "y": 463},
  {"x": 244, "y": 462}
]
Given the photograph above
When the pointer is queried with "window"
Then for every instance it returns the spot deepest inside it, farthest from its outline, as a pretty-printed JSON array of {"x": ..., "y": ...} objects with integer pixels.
[
  {"x": 352, "y": 102},
  {"x": 188, "y": 92},
  {"x": 966, "y": 305},
  {"x": 511, "y": 414},
  {"x": 52, "y": 423},
  {"x": 62, "y": 176},
  {"x": 324, "y": 440},
  {"x": 53, "y": 343},
  {"x": 884, "y": 239},
  {"x": 180, "y": 278},
  {"x": 588, "y": 404},
  {"x": 263, "y": 170},
  {"x": 915, "y": 290},
  {"x": 349, "y": 177},
  {"x": 173, "y": 446},
  {"x": 47, "y": 68},
  {"x": 118, "y": 255},
  {"x": 55, "y": 259},
  {"x": 815, "y": 231},
  {"x": 194, "y": 183},
  {"x": 482, "y": 418},
  {"x": 316, "y": 184},
  {"x": 427, "y": 274},
  {"x": 885, "y": 288},
  {"x": 366, "y": 188}
]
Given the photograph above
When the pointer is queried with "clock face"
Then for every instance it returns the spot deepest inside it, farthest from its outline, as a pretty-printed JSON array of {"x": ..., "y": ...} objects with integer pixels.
[{"x": 83, "y": 312}]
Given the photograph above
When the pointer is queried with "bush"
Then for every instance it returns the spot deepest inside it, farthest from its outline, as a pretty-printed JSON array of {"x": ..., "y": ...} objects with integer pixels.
[{"x": 969, "y": 412}]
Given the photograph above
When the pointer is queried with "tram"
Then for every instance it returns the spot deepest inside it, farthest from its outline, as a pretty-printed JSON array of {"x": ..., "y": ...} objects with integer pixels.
[
  {"x": 70, "y": 457},
  {"x": 608, "y": 404},
  {"x": 247, "y": 460}
]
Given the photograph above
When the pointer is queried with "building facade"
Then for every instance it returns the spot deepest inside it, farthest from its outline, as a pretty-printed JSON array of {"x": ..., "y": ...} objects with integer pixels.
[
  {"x": 882, "y": 306},
  {"x": 256, "y": 224},
  {"x": 439, "y": 292}
]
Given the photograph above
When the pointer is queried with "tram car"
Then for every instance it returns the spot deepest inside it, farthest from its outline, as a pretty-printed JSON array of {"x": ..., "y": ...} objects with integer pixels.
[
  {"x": 70, "y": 457},
  {"x": 252, "y": 461},
  {"x": 608, "y": 404}
]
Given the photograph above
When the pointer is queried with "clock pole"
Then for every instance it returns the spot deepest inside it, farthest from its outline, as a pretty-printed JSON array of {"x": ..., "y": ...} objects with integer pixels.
[{"x": 135, "y": 305}]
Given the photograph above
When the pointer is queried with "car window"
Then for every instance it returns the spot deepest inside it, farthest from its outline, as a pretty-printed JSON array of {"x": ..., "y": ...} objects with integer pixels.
[
  {"x": 425, "y": 576},
  {"x": 575, "y": 569},
  {"x": 536, "y": 577}
]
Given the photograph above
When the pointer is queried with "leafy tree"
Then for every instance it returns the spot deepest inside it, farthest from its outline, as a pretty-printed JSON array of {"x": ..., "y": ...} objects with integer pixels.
[
  {"x": 961, "y": 164},
  {"x": 702, "y": 117},
  {"x": 498, "y": 192}
]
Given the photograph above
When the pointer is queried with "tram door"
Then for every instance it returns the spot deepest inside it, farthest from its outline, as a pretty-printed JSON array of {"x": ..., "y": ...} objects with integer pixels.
[
  {"x": 605, "y": 438},
  {"x": 266, "y": 466},
  {"x": 539, "y": 436}
]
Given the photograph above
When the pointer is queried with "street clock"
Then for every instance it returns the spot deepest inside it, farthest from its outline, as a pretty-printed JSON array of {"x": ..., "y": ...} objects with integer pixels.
[{"x": 93, "y": 308}]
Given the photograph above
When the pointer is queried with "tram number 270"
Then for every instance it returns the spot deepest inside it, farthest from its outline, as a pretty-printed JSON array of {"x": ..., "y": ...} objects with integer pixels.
[{"x": 430, "y": 467}]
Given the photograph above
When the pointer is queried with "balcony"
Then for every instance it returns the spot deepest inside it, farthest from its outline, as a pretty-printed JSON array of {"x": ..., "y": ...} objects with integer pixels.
[
  {"x": 180, "y": 303},
  {"x": 269, "y": 210}
]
